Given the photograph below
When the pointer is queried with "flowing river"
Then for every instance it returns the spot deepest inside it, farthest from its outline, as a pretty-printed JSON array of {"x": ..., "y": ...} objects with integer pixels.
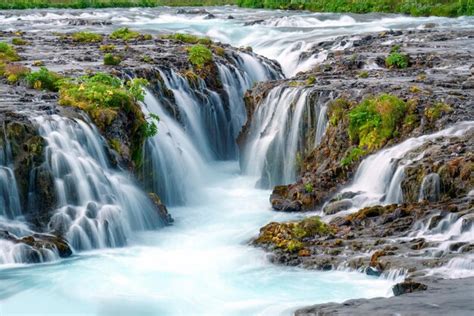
[{"x": 202, "y": 264}]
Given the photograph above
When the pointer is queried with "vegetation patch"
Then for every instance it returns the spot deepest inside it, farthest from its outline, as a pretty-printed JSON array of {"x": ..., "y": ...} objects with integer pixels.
[
  {"x": 199, "y": 55},
  {"x": 44, "y": 79},
  {"x": 112, "y": 60},
  {"x": 19, "y": 41},
  {"x": 437, "y": 110},
  {"x": 352, "y": 156},
  {"x": 8, "y": 53},
  {"x": 188, "y": 38},
  {"x": 337, "y": 110},
  {"x": 86, "y": 37},
  {"x": 291, "y": 236},
  {"x": 375, "y": 120},
  {"x": 396, "y": 59},
  {"x": 126, "y": 34},
  {"x": 15, "y": 72}
]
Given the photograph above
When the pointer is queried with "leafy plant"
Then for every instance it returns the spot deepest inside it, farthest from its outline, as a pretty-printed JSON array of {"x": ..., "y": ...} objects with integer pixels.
[
  {"x": 44, "y": 79},
  {"x": 8, "y": 53},
  {"x": 396, "y": 59},
  {"x": 199, "y": 55},
  {"x": 354, "y": 155}
]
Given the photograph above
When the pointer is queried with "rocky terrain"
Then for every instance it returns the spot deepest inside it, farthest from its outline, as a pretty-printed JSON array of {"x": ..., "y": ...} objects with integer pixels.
[{"x": 428, "y": 227}]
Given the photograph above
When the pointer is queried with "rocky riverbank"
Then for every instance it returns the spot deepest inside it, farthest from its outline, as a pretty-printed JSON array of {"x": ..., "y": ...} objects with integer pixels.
[{"x": 418, "y": 219}]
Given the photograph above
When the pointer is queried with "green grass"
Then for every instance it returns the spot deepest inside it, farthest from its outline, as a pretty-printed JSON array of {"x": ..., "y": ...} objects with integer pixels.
[
  {"x": 44, "y": 79},
  {"x": 86, "y": 37},
  {"x": 188, "y": 38},
  {"x": 8, "y": 53},
  {"x": 412, "y": 7},
  {"x": 112, "y": 60},
  {"x": 81, "y": 4}
]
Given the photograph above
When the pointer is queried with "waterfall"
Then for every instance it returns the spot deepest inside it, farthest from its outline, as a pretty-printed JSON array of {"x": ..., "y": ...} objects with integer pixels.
[
  {"x": 430, "y": 188},
  {"x": 203, "y": 127},
  {"x": 379, "y": 176},
  {"x": 279, "y": 135},
  {"x": 10, "y": 206},
  {"x": 97, "y": 206}
]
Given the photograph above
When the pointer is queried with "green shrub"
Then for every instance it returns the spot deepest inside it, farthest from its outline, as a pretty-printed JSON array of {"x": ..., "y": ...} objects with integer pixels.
[
  {"x": 86, "y": 37},
  {"x": 437, "y": 110},
  {"x": 112, "y": 60},
  {"x": 354, "y": 155},
  {"x": 375, "y": 119},
  {"x": 199, "y": 55},
  {"x": 44, "y": 79},
  {"x": 396, "y": 59},
  {"x": 19, "y": 41}
]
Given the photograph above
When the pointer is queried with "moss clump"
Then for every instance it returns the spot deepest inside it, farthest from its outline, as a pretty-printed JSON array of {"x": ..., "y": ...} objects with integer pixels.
[
  {"x": 44, "y": 79},
  {"x": 188, "y": 38},
  {"x": 86, "y": 37},
  {"x": 375, "y": 120},
  {"x": 437, "y": 110},
  {"x": 126, "y": 34},
  {"x": 112, "y": 60},
  {"x": 15, "y": 72},
  {"x": 352, "y": 156},
  {"x": 19, "y": 41},
  {"x": 199, "y": 55},
  {"x": 147, "y": 59},
  {"x": 38, "y": 63},
  {"x": 396, "y": 59},
  {"x": 363, "y": 74},
  {"x": 107, "y": 48},
  {"x": 8, "y": 53},
  {"x": 311, "y": 80},
  {"x": 219, "y": 51},
  {"x": 308, "y": 187}
]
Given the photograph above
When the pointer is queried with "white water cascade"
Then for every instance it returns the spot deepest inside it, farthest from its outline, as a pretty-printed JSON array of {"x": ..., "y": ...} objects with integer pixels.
[
  {"x": 97, "y": 206},
  {"x": 285, "y": 124},
  {"x": 379, "y": 176},
  {"x": 204, "y": 128}
]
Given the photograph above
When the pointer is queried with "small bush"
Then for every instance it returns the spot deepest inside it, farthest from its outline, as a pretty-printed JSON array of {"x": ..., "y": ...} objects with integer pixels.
[
  {"x": 86, "y": 37},
  {"x": 199, "y": 55},
  {"x": 44, "y": 79},
  {"x": 19, "y": 41},
  {"x": 396, "y": 59},
  {"x": 112, "y": 60},
  {"x": 375, "y": 120},
  {"x": 434, "y": 112}
]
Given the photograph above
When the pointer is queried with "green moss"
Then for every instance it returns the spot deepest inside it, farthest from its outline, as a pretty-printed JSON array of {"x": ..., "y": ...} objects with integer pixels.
[
  {"x": 112, "y": 60},
  {"x": 108, "y": 48},
  {"x": 44, "y": 79},
  {"x": 126, "y": 34},
  {"x": 219, "y": 51},
  {"x": 294, "y": 246},
  {"x": 188, "y": 38},
  {"x": 311, "y": 80},
  {"x": 363, "y": 74},
  {"x": 310, "y": 227},
  {"x": 147, "y": 59},
  {"x": 308, "y": 187},
  {"x": 294, "y": 83},
  {"x": 199, "y": 55},
  {"x": 437, "y": 110},
  {"x": 352, "y": 156},
  {"x": 396, "y": 59},
  {"x": 19, "y": 41},
  {"x": 86, "y": 37},
  {"x": 375, "y": 120}
]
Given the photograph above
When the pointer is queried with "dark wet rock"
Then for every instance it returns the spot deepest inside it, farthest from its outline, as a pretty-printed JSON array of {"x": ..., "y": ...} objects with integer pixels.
[
  {"x": 255, "y": 22},
  {"x": 230, "y": 17},
  {"x": 408, "y": 287},
  {"x": 442, "y": 297},
  {"x": 209, "y": 16},
  {"x": 337, "y": 206},
  {"x": 161, "y": 209},
  {"x": 36, "y": 243}
]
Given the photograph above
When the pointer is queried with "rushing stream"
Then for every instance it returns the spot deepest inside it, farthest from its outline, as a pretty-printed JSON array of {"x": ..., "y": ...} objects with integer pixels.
[{"x": 202, "y": 264}]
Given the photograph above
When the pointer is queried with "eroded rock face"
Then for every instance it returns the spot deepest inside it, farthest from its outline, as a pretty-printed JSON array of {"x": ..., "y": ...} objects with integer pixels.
[{"x": 436, "y": 96}]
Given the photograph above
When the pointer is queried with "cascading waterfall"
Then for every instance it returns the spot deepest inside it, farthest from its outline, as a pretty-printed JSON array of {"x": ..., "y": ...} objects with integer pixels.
[
  {"x": 10, "y": 206},
  {"x": 279, "y": 132},
  {"x": 379, "y": 176},
  {"x": 205, "y": 128},
  {"x": 97, "y": 206}
]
